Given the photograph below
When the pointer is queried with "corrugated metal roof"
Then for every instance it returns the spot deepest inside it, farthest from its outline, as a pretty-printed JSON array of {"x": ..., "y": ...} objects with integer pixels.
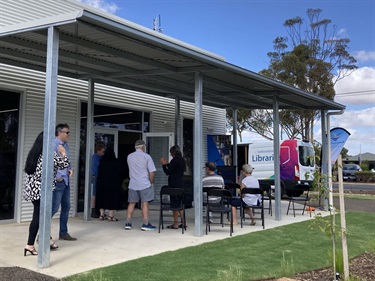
[{"x": 116, "y": 52}]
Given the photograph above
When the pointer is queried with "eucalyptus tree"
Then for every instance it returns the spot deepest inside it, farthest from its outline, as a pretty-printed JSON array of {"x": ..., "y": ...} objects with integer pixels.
[{"x": 312, "y": 57}]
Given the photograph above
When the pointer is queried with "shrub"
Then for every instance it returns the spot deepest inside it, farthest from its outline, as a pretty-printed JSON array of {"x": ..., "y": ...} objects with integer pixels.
[{"x": 365, "y": 176}]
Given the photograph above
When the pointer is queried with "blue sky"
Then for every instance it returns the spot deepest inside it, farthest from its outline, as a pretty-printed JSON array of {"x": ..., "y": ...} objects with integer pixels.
[{"x": 242, "y": 32}]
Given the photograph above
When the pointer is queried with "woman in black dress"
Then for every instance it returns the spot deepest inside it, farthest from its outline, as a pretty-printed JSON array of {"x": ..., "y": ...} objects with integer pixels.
[
  {"x": 175, "y": 171},
  {"x": 109, "y": 189}
]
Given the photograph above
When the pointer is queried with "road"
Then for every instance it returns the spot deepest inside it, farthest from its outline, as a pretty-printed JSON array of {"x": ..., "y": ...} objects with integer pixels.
[{"x": 355, "y": 186}]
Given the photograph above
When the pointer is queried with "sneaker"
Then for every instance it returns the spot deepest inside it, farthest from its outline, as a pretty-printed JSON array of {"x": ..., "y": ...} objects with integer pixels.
[
  {"x": 148, "y": 226},
  {"x": 67, "y": 237},
  {"x": 128, "y": 226}
]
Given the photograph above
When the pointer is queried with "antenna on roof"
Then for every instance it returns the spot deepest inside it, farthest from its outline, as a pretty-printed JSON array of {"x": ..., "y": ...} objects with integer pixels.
[{"x": 157, "y": 24}]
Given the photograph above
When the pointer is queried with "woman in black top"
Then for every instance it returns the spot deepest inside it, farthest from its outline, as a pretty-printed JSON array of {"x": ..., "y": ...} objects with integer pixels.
[
  {"x": 175, "y": 172},
  {"x": 108, "y": 188}
]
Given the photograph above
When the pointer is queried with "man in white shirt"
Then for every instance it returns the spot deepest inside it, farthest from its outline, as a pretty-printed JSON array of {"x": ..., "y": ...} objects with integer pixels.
[{"x": 141, "y": 185}]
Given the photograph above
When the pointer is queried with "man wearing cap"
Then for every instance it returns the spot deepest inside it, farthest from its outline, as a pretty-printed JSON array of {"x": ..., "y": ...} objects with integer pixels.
[
  {"x": 142, "y": 173},
  {"x": 212, "y": 180},
  {"x": 248, "y": 181}
]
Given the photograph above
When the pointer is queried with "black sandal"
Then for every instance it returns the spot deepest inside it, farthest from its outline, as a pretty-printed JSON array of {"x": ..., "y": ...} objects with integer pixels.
[
  {"x": 112, "y": 219},
  {"x": 53, "y": 246},
  {"x": 172, "y": 226}
]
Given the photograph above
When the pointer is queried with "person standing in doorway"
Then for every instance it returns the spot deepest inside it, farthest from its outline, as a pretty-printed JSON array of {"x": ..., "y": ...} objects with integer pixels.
[
  {"x": 175, "y": 172},
  {"x": 61, "y": 194},
  {"x": 141, "y": 185},
  {"x": 99, "y": 152},
  {"x": 109, "y": 192}
]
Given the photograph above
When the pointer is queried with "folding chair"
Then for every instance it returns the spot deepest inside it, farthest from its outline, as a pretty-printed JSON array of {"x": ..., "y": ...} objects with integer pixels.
[
  {"x": 224, "y": 207},
  {"x": 303, "y": 198},
  {"x": 233, "y": 188},
  {"x": 267, "y": 196},
  {"x": 165, "y": 204},
  {"x": 260, "y": 207}
]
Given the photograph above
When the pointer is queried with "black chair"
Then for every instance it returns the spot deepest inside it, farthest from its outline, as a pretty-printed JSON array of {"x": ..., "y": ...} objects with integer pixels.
[
  {"x": 267, "y": 196},
  {"x": 233, "y": 188},
  {"x": 260, "y": 206},
  {"x": 224, "y": 207},
  {"x": 302, "y": 198},
  {"x": 165, "y": 204},
  {"x": 205, "y": 195},
  {"x": 205, "y": 198}
]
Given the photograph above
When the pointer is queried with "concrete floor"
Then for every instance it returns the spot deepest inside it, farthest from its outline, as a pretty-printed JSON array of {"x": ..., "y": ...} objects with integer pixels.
[{"x": 103, "y": 243}]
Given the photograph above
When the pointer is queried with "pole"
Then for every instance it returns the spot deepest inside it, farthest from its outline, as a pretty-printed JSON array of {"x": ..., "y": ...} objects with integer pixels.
[{"x": 343, "y": 221}]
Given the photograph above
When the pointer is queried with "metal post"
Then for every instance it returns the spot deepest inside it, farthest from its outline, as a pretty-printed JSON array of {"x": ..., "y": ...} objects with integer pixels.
[
  {"x": 235, "y": 152},
  {"x": 198, "y": 151},
  {"x": 276, "y": 148},
  {"x": 90, "y": 138},
  {"x": 330, "y": 195},
  {"x": 48, "y": 151},
  {"x": 324, "y": 156},
  {"x": 177, "y": 125}
]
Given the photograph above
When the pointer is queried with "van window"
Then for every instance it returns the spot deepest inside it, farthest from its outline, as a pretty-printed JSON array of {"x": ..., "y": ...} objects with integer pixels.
[{"x": 306, "y": 156}]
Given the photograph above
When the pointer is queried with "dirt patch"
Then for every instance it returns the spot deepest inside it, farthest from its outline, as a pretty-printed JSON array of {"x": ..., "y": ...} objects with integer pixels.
[
  {"x": 361, "y": 267},
  {"x": 18, "y": 273}
]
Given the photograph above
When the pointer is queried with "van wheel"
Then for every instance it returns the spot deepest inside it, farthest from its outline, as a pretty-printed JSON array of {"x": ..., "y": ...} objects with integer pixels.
[
  {"x": 272, "y": 193},
  {"x": 294, "y": 194}
]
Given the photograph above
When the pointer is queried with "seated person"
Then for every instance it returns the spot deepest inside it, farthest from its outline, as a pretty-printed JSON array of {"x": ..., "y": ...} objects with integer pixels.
[
  {"x": 248, "y": 181},
  {"x": 212, "y": 180}
]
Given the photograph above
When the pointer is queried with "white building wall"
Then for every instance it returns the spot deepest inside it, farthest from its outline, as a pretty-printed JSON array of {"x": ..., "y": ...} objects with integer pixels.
[{"x": 70, "y": 93}]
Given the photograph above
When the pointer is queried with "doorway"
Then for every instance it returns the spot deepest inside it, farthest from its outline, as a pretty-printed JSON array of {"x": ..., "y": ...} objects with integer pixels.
[
  {"x": 9, "y": 126},
  {"x": 158, "y": 145},
  {"x": 116, "y": 127}
]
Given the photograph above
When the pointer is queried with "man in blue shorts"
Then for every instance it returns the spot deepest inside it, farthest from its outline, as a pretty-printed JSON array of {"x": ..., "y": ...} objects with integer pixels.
[{"x": 142, "y": 173}]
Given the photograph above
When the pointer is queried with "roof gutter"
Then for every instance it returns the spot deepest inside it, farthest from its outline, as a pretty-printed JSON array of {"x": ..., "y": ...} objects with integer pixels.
[{"x": 39, "y": 24}]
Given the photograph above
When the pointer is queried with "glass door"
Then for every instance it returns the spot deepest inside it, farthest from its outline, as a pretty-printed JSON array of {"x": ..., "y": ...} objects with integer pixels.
[
  {"x": 107, "y": 136},
  {"x": 9, "y": 126},
  {"x": 158, "y": 145}
]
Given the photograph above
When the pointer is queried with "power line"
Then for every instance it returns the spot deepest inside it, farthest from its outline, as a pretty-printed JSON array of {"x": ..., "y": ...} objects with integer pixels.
[{"x": 356, "y": 92}]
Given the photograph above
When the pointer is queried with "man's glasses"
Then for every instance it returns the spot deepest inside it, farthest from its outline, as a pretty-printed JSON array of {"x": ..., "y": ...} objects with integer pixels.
[{"x": 66, "y": 132}]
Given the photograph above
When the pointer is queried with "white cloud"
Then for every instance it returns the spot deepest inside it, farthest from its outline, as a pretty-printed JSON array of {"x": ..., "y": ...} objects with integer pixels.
[
  {"x": 356, "y": 118},
  {"x": 358, "y": 88},
  {"x": 342, "y": 32},
  {"x": 364, "y": 56},
  {"x": 361, "y": 125},
  {"x": 103, "y": 5}
]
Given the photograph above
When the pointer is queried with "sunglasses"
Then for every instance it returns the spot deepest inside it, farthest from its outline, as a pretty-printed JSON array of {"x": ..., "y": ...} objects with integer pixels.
[{"x": 66, "y": 132}]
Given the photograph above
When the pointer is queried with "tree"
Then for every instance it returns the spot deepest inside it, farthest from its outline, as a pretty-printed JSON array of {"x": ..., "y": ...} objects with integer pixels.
[
  {"x": 313, "y": 58},
  {"x": 344, "y": 153}
]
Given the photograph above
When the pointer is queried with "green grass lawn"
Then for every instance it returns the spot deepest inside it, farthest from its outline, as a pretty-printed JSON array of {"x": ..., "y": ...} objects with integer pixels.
[{"x": 263, "y": 254}]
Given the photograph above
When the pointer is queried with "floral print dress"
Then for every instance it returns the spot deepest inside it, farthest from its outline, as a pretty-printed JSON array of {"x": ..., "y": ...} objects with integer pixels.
[{"x": 32, "y": 186}]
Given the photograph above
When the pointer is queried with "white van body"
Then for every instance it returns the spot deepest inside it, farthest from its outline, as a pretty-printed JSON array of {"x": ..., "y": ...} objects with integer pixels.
[{"x": 296, "y": 162}]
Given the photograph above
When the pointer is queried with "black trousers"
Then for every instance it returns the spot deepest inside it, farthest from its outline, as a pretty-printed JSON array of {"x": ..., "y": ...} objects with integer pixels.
[{"x": 34, "y": 224}]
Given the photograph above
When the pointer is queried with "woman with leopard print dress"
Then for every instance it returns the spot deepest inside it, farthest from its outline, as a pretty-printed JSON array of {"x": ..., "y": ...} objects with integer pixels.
[{"x": 33, "y": 179}]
